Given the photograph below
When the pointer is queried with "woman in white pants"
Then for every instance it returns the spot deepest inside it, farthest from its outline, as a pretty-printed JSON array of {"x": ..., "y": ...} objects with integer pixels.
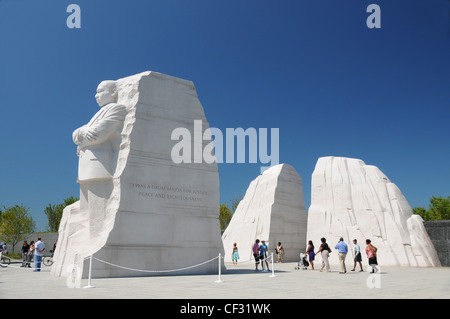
[{"x": 324, "y": 250}]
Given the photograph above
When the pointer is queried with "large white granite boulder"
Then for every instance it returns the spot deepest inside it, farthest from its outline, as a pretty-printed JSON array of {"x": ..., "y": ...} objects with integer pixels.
[
  {"x": 273, "y": 209},
  {"x": 141, "y": 213},
  {"x": 357, "y": 201}
]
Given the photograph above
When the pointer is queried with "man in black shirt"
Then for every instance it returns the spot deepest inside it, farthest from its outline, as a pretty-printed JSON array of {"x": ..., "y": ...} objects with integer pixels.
[{"x": 25, "y": 249}]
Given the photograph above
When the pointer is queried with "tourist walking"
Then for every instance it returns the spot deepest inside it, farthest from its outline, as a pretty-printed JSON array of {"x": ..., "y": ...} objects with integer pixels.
[
  {"x": 342, "y": 250},
  {"x": 256, "y": 253},
  {"x": 263, "y": 248},
  {"x": 280, "y": 252},
  {"x": 324, "y": 251},
  {"x": 25, "y": 249},
  {"x": 310, "y": 252},
  {"x": 235, "y": 254},
  {"x": 357, "y": 258},
  {"x": 39, "y": 248},
  {"x": 371, "y": 252}
]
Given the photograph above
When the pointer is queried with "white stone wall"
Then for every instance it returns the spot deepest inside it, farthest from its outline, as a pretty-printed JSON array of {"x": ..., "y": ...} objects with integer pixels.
[
  {"x": 353, "y": 200},
  {"x": 273, "y": 209}
]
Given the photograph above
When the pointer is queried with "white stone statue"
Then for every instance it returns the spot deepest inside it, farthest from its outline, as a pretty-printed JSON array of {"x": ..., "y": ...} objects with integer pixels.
[
  {"x": 353, "y": 200},
  {"x": 98, "y": 144},
  {"x": 99, "y": 141},
  {"x": 273, "y": 209},
  {"x": 140, "y": 213}
]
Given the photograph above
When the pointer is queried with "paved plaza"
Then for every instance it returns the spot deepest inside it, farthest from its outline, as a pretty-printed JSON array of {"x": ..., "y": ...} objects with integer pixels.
[{"x": 238, "y": 282}]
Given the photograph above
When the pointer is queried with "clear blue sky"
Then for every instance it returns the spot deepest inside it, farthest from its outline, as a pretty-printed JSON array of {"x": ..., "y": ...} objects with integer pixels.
[{"x": 310, "y": 68}]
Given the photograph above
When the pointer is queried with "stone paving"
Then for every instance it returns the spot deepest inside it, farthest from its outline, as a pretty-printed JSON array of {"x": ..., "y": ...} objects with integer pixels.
[{"x": 238, "y": 282}]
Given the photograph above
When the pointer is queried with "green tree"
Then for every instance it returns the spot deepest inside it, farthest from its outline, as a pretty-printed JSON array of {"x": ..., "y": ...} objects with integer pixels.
[
  {"x": 438, "y": 209},
  {"x": 224, "y": 216},
  {"x": 226, "y": 212},
  {"x": 422, "y": 212},
  {"x": 15, "y": 224},
  {"x": 54, "y": 213}
]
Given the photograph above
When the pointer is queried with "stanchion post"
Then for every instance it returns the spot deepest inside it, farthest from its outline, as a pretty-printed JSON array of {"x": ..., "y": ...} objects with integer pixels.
[
  {"x": 220, "y": 269},
  {"x": 273, "y": 270},
  {"x": 90, "y": 274}
]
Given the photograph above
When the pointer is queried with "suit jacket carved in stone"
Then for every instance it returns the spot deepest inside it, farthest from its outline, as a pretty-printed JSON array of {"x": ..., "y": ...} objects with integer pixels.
[{"x": 98, "y": 156}]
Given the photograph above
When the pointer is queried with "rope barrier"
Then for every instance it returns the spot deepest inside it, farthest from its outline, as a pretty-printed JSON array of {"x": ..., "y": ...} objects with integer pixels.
[
  {"x": 219, "y": 258},
  {"x": 265, "y": 259},
  {"x": 157, "y": 271},
  {"x": 150, "y": 271},
  {"x": 258, "y": 261}
]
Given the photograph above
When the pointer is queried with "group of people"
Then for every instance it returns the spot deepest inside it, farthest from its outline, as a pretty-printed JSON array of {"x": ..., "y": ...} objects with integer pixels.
[
  {"x": 33, "y": 250},
  {"x": 260, "y": 254},
  {"x": 342, "y": 248}
]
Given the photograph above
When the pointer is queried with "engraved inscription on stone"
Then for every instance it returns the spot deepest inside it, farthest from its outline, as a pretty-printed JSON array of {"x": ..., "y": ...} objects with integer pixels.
[{"x": 167, "y": 192}]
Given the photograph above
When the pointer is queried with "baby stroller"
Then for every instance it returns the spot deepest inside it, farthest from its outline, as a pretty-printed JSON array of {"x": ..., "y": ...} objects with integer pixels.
[{"x": 303, "y": 263}]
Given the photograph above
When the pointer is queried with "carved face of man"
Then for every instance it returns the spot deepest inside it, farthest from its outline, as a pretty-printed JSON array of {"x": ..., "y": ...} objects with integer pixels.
[{"x": 106, "y": 93}]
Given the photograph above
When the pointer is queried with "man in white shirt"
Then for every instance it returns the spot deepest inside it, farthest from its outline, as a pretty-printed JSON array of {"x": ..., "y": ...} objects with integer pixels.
[{"x": 39, "y": 248}]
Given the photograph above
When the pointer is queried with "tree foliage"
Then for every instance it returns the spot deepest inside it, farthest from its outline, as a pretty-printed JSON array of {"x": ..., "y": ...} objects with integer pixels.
[
  {"x": 226, "y": 212},
  {"x": 15, "y": 224},
  {"x": 438, "y": 209},
  {"x": 54, "y": 213},
  {"x": 224, "y": 216}
]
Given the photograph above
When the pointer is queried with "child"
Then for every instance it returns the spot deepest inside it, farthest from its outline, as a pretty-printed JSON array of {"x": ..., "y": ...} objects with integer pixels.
[{"x": 235, "y": 255}]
